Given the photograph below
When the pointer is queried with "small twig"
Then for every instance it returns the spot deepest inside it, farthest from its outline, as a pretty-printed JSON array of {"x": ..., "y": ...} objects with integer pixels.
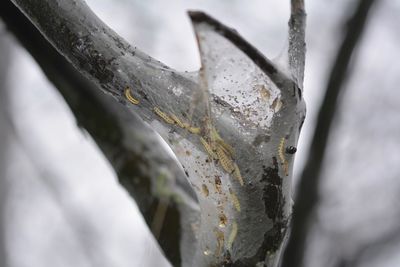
[
  {"x": 307, "y": 196},
  {"x": 297, "y": 44}
]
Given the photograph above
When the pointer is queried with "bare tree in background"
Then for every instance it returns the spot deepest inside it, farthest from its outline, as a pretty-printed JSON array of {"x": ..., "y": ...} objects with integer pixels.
[{"x": 233, "y": 126}]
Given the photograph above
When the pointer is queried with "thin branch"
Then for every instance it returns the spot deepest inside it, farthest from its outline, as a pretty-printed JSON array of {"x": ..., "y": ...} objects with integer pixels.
[
  {"x": 307, "y": 196},
  {"x": 297, "y": 44}
]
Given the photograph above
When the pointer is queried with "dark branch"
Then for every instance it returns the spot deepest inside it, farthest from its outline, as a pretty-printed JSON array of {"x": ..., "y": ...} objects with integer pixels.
[{"x": 307, "y": 196}]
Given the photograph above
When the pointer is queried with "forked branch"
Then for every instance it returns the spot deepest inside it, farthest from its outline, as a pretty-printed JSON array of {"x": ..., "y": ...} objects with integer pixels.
[{"x": 242, "y": 222}]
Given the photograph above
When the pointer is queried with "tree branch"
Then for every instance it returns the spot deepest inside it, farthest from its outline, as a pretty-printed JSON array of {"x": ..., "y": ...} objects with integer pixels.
[
  {"x": 242, "y": 223},
  {"x": 105, "y": 58},
  {"x": 267, "y": 170},
  {"x": 307, "y": 196},
  {"x": 297, "y": 44},
  {"x": 138, "y": 162}
]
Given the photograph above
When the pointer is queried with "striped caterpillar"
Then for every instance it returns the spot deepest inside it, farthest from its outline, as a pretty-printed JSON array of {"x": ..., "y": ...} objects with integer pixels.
[
  {"x": 237, "y": 174},
  {"x": 282, "y": 156},
  {"x": 130, "y": 97},
  {"x": 235, "y": 200},
  {"x": 163, "y": 115},
  {"x": 226, "y": 162},
  {"x": 208, "y": 148}
]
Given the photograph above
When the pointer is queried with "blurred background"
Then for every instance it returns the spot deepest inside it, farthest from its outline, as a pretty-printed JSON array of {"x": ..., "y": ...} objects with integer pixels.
[{"x": 60, "y": 202}]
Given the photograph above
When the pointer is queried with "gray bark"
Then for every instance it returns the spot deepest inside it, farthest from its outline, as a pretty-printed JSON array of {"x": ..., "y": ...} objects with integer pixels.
[
  {"x": 257, "y": 212},
  {"x": 307, "y": 195},
  {"x": 297, "y": 43}
]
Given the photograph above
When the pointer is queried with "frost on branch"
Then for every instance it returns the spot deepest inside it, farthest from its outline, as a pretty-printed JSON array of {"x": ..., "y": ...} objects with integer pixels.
[{"x": 234, "y": 144}]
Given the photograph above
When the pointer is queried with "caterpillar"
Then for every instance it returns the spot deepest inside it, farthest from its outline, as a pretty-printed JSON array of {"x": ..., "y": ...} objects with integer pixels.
[
  {"x": 280, "y": 150},
  {"x": 193, "y": 130},
  {"x": 226, "y": 147},
  {"x": 208, "y": 148},
  {"x": 226, "y": 162},
  {"x": 164, "y": 116},
  {"x": 130, "y": 97},
  {"x": 282, "y": 156},
  {"x": 235, "y": 200},
  {"x": 237, "y": 174},
  {"x": 232, "y": 235},
  {"x": 178, "y": 121}
]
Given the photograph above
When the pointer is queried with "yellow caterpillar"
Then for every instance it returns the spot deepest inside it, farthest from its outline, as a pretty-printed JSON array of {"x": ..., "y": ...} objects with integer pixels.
[
  {"x": 232, "y": 235},
  {"x": 282, "y": 156},
  {"x": 235, "y": 200},
  {"x": 130, "y": 97},
  {"x": 164, "y": 116},
  {"x": 226, "y": 162},
  {"x": 237, "y": 174},
  {"x": 185, "y": 125},
  {"x": 178, "y": 121},
  {"x": 226, "y": 147},
  {"x": 193, "y": 130},
  {"x": 208, "y": 148}
]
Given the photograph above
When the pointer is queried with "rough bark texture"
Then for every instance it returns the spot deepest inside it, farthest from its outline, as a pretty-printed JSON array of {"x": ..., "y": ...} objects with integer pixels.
[{"x": 240, "y": 224}]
